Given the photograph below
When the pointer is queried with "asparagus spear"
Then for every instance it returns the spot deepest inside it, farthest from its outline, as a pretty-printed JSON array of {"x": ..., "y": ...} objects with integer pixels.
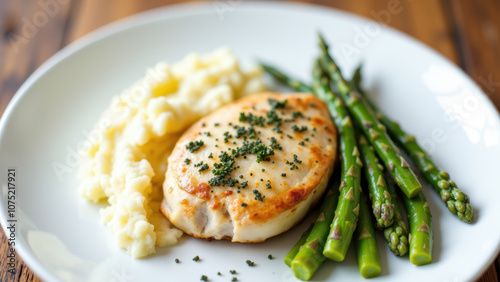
[
  {"x": 310, "y": 255},
  {"x": 396, "y": 234},
  {"x": 382, "y": 207},
  {"x": 278, "y": 75},
  {"x": 419, "y": 218},
  {"x": 366, "y": 244},
  {"x": 372, "y": 128},
  {"x": 457, "y": 201},
  {"x": 346, "y": 214},
  {"x": 295, "y": 249}
]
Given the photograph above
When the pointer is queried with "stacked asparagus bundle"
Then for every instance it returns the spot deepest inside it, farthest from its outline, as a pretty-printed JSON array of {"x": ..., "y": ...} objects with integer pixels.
[{"x": 365, "y": 141}]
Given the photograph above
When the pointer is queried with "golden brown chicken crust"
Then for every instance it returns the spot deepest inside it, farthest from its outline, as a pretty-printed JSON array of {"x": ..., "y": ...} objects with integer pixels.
[{"x": 190, "y": 202}]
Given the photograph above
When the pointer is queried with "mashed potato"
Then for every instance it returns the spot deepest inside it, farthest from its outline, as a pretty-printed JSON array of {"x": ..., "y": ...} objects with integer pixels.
[{"x": 127, "y": 165}]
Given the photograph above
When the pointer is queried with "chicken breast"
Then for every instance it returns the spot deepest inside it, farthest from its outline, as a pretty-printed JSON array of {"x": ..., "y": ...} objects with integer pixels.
[{"x": 252, "y": 169}]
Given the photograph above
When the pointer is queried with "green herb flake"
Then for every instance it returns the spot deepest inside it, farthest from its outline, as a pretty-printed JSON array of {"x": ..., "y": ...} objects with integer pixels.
[
  {"x": 177, "y": 260},
  {"x": 250, "y": 263},
  {"x": 283, "y": 175},
  {"x": 234, "y": 279},
  {"x": 232, "y": 271},
  {"x": 295, "y": 128},
  {"x": 270, "y": 256},
  {"x": 268, "y": 185},
  {"x": 187, "y": 161},
  {"x": 295, "y": 159},
  {"x": 258, "y": 196},
  {"x": 196, "y": 258},
  {"x": 275, "y": 145},
  {"x": 194, "y": 146},
  {"x": 275, "y": 104},
  {"x": 243, "y": 204},
  {"x": 203, "y": 167},
  {"x": 204, "y": 278}
]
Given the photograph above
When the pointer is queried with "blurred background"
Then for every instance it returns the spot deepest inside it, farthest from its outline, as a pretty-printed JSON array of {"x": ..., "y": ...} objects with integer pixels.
[{"x": 467, "y": 32}]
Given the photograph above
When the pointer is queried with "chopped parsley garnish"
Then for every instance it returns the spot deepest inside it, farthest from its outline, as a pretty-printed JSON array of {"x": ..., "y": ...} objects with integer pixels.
[
  {"x": 204, "y": 278},
  {"x": 289, "y": 136},
  {"x": 275, "y": 104},
  {"x": 255, "y": 147},
  {"x": 243, "y": 204},
  {"x": 297, "y": 114},
  {"x": 273, "y": 118},
  {"x": 227, "y": 136},
  {"x": 263, "y": 170},
  {"x": 208, "y": 134},
  {"x": 196, "y": 258},
  {"x": 270, "y": 256},
  {"x": 268, "y": 185},
  {"x": 222, "y": 170},
  {"x": 250, "y": 263},
  {"x": 177, "y": 260},
  {"x": 218, "y": 273},
  {"x": 295, "y": 159},
  {"x": 312, "y": 105},
  {"x": 216, "y": 124},
  {"x": 244, "y": 184},
  {"x": 252, "y": 119},
  {"x": 299, "y": 129},
  {"x": 232, "y": 271},
  {"x": 211, "y": 156},
  {"x": 234, "y": 279},
  {"x": 194, "y": 146},
  {"x": 187, "y": 161},
  {"x": 203, "y": 167},
  {"x": 293, "y": 164},
  {"x": 283, "y": 175},
  {"x": 302, "y": 143},
  {"x": 246, "y": 133},
  {"x": 258, "y": 196},
  {"x": 275, "y": 145},
  {"x": 203, "y": 125}
]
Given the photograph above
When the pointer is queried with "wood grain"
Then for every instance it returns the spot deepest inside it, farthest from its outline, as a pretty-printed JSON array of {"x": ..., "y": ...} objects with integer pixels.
[
  {"x": 477, "y": 30},
  {"x": 29, "y": 37},
  {"x": 465, "y": 31}
]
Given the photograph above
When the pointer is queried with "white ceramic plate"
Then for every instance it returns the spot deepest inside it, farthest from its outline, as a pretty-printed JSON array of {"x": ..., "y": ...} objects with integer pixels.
[{"x": 60, "y": 236}]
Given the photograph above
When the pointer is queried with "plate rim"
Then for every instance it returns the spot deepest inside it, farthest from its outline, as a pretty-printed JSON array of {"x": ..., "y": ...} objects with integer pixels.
[{"x": 177, "y": 11}]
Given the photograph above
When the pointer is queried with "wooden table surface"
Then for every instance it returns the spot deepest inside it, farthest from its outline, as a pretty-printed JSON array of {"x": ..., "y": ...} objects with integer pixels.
[{"x": 467, "y": 32}]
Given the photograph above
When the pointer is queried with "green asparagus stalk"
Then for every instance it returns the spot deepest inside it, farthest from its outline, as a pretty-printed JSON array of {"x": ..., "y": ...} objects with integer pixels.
[
  {"x": 372, "y": 128},
  {"x": 346, "y": 214},
  {"x": 382, "y": 207},
  {"x": 457, "y": 201},
  {"x": 295, "y": 249},
  {"x": 287, "y": 80},
  {"x": 419, "y": 218},
  {"x": 396, "y": 234},
  {"x": 310, "y": 255},
  {"x": 366, "y": 244}
]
